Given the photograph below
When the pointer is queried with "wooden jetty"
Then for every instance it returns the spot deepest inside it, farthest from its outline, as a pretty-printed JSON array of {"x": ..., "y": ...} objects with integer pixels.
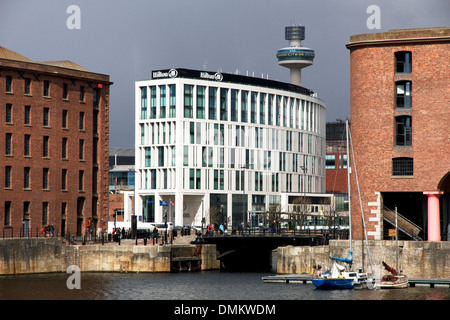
[
  {"x": 286, "y": 278},
  {"x": 430, "y": 282},
  {"x": 306, "y": 278}
]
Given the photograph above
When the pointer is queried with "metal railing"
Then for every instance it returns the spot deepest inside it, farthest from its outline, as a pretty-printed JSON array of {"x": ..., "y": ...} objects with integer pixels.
[
  {"x": 21, "y": 233},
  {"x": 404, "y": 225},
  {"x": 307, "y": 231},
  {"x": 10, "y": 232}
]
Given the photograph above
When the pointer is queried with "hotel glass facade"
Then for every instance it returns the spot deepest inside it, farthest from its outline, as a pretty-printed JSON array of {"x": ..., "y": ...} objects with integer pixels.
[{"x": 224, "y": 147}]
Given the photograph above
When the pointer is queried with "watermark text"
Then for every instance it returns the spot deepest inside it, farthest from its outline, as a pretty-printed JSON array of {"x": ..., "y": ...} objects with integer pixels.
[
  {"x": 374, "y": 20},
  {"x": 74, "y": 20},
  {"x": 74, "y": 280}
]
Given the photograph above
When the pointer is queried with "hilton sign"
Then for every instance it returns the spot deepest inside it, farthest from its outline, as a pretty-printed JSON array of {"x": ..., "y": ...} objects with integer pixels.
[
  {"x": 174, "y": 73},
  {"x": 217, "y": 76}
]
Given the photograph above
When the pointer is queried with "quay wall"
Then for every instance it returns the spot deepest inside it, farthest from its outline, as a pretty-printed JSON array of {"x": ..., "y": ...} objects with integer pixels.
[
  {"x": 47, "y": 255},
  {"x": 417, "y": 259}
]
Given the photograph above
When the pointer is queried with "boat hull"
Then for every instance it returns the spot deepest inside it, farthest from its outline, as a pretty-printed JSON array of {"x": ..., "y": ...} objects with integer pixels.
[
  {"x": 393, "y": 285},
  {"x": 332, "y": 284},
  {"x": 393, "y": 282}
]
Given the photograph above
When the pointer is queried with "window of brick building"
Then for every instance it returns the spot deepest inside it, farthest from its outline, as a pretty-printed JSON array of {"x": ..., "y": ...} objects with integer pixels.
[
  {"x": 402, "y": 167},
  {"x": 81, "y": 180},
  {"x": 7, "y": 217},
  {"x": 44, "y": 213},
  {"x": 27, "y": 116},
  {"x": 403, "y": 94},
  {"x": 45, "y": 144},
  {"x": 8, "y": 144},
  {"x": 8, "y": 171},
  {"x": 81, "y": 150},
  {"x": 26, "y": 208},
  {"x": 330, "y": 161},
  {"x": 46, "y": 88},
  {"x": 96, "y": 97},
  {"x": 403, "y": 62},
  {"x": 64, "y": 148},
  {"x": 27, "y": 86},
  {"x": 26, "y": 145},
  {"x": 26, "y": 177},
  {"x": 64, "y": 179},
  {"x": 64, "y": 119},
  {"x": 45, "y": 172},
  {"x": 9, "y": 84},
  {"x": 82, "y": 95},
  {"x": 95, "y": 122},
  {"x": 46, "y": 117},
  {"x": 403, "y": 131},
  {"x": 81, "y": 121},
  {"x": 8, "y": 116},
  {"x": 65, "y": 91}
]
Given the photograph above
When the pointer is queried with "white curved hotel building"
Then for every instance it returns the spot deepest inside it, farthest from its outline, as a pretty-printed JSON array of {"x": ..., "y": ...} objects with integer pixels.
[{"x": 224, "y": 147}]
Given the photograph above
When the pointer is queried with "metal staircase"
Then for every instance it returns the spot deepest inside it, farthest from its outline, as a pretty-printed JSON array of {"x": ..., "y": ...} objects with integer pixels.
[{"x": 404, "y": 225}]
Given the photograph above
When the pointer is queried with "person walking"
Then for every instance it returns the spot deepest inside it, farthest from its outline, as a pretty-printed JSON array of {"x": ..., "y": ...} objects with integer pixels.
[
  {"x": 155, "y": 234},
  {"x": 242, "y": 227}
]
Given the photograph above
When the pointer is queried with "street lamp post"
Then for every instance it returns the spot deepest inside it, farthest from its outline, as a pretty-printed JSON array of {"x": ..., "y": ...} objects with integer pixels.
[
  {"x": 243, "y": 196},
  {"x": 133, "y": 212},
  {"x": 165, "y": 226},
  {"x": 304, "y": 192}
]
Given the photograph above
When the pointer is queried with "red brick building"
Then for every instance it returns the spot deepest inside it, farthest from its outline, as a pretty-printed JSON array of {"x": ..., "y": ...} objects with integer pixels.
[
  {"x": 54, "y": 142},
  {"x": 336, "y": 158},
  {"x": 400, "y": 115}
]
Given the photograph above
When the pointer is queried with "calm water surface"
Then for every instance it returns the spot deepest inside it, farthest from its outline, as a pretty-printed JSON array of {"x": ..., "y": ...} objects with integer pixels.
[{"x": 191, "y": 286}]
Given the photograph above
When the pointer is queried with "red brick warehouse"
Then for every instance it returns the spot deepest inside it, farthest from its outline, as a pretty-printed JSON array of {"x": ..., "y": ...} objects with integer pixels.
[
  {"x": 400, "y": 116},
  {"x": 54, "y": 141}
]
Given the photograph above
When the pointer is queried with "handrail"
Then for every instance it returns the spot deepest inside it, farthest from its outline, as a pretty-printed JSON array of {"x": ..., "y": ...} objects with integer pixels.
[{"x": 403, "y": 224}]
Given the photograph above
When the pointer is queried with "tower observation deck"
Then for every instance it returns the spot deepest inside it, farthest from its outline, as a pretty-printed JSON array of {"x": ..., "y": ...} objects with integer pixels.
[{"x": 295, "y": 57}]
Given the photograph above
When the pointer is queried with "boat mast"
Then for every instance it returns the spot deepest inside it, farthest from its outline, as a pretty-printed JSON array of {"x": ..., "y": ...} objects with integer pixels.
[
  {"x": 361, "y": 208},
  {"x": 396, "y": 240},
  {"x": 348, "y": 190}
]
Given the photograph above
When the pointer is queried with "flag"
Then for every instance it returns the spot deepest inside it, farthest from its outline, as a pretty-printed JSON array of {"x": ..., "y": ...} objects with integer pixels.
[{"x": 171, "y": 202}]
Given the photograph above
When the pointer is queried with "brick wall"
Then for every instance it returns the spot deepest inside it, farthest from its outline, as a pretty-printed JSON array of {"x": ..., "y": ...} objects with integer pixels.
[
  {"x": 373, "y": 112},
  {"x": 94, "y": 187},
  {"x": 336, "y": 179}
]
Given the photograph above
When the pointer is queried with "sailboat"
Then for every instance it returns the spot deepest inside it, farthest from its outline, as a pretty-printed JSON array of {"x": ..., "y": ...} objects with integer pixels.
[
  {"x": 336, "y": 278},
  {"x": 343, "y": 277},
  {"x": 395, "y": 279}
]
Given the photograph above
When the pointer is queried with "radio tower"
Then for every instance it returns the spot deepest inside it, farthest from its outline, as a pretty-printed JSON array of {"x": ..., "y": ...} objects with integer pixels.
[{"x": 295, "y": 57}]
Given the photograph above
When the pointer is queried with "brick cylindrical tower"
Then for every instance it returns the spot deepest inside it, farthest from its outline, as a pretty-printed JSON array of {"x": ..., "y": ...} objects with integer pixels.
[{"x": 400, "y": 117}]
